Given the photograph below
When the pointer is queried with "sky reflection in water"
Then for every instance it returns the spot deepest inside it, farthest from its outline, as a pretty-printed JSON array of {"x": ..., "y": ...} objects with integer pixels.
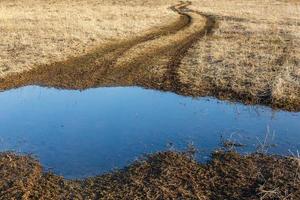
[{"x": 79, "y": 134}]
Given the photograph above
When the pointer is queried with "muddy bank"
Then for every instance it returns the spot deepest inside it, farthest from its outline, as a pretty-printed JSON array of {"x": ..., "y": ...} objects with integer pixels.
[{"x": 164, "y": 175}]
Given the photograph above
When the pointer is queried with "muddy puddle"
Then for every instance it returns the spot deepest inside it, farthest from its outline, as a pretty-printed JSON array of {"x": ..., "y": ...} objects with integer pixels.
[{"x": 79, "y": 134}]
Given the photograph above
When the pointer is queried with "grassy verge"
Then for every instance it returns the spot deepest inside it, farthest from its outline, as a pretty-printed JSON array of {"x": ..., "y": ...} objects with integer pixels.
[{"x": 164, "y": 175}]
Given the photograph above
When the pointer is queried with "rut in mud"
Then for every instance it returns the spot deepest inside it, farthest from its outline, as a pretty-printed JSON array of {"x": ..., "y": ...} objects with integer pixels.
[{"x": 148, "y": 61}]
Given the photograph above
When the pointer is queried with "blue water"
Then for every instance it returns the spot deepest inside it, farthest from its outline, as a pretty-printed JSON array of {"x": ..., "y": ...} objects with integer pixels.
[{"x": 79, "y": 134}]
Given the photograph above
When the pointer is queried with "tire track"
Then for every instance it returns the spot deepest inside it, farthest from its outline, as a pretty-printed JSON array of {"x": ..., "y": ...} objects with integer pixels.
[{"x": 148, "y": 61}]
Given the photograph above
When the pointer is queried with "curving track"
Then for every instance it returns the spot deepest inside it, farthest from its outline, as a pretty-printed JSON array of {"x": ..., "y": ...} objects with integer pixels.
[
  {"x": 151, "y": 61},
  {"x": 148, "y": 61}
]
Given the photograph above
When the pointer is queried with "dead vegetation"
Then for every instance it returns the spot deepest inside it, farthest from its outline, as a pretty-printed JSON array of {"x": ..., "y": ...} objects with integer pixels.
[
  {"x": 252, "y": 56},
  {"x": 149, "y": 60},
  {"x": 37, "y": 32},
  {"x": 164, "y": 175}
]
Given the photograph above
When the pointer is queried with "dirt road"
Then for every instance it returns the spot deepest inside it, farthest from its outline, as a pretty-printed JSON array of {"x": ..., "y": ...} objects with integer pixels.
[{"x": 148, "y": 61}]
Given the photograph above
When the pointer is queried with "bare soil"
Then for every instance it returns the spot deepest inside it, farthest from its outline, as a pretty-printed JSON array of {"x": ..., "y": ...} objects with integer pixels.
[{"x": 164, "y": 175}]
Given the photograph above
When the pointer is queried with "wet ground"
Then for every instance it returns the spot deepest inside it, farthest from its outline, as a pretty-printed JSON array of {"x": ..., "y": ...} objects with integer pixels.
[{"x": 79, "y": 134}]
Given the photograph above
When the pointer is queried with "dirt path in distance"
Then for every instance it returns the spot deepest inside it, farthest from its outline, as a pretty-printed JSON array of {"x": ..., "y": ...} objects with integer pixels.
[
  {"x": 147, "y": 61},
  {"x": 111, "y": 65},
  {"x": 150, "y": 61}
]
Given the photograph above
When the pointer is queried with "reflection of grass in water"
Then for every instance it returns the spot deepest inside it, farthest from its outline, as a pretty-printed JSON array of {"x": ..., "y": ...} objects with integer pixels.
[
  {"x": 238, "y": 141},
  {"x": 163, "y": 175}
]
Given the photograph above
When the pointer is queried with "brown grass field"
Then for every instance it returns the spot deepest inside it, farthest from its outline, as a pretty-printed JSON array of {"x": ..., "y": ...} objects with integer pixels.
[
  {"x": 35, "y": 32},
  {"x": 253, "y": 54},
  {"x": 237, "y": 50}
]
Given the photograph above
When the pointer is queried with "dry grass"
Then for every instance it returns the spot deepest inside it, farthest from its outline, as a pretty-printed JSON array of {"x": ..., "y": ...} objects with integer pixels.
[
  {"x": 149, "y": 61},
  {"x": 254, "y": 53},
  {"x": 35, "y": 32},
  {"x": 164, "y": 175}
]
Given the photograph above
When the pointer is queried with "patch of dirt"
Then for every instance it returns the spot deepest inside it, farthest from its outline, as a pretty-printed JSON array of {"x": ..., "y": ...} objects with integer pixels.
[{"x": 164, "y": 175}]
